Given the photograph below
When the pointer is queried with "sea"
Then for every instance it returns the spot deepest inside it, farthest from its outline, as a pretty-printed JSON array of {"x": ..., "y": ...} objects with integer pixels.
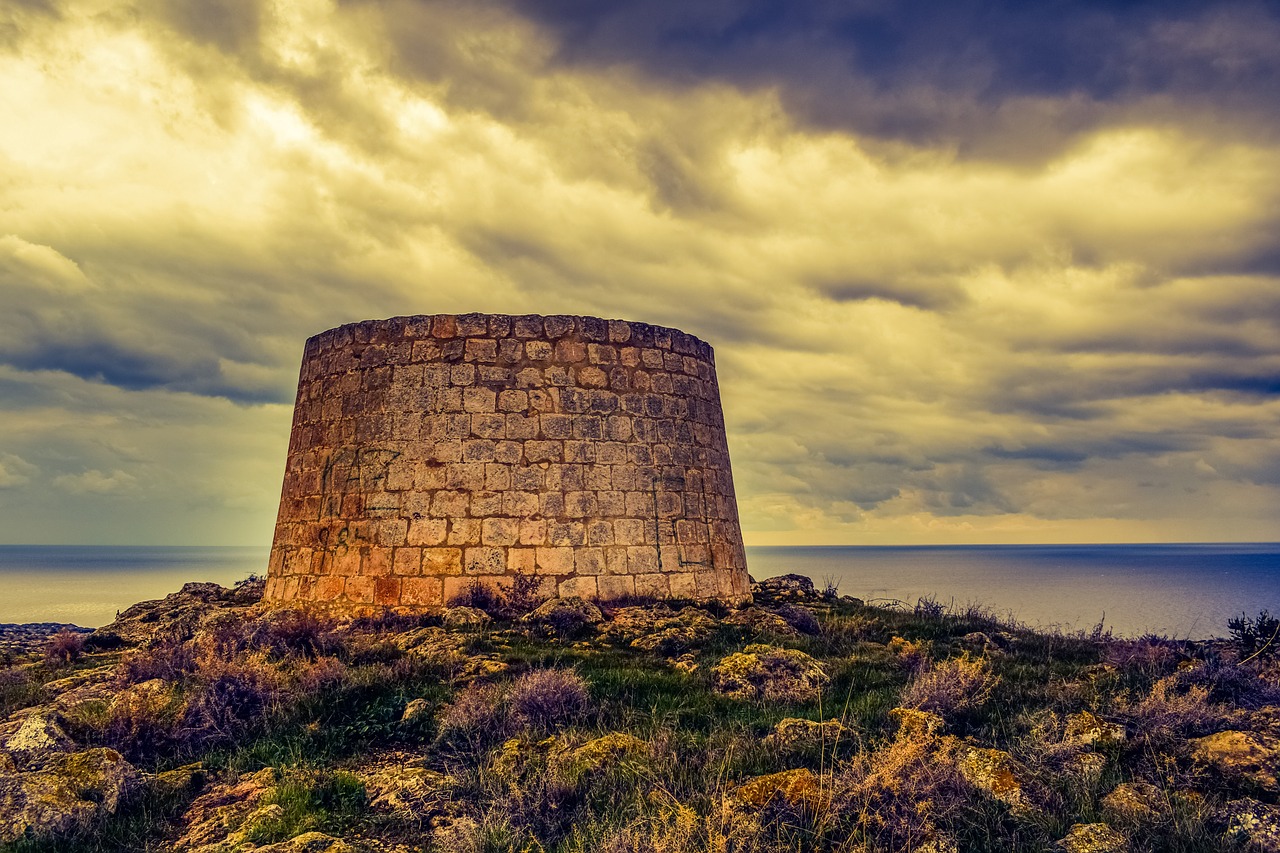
[{"x": 1185, "y": 591}]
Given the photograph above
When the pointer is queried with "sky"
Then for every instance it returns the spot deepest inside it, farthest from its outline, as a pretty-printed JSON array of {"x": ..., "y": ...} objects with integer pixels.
[{"x": 975, "y": 272}]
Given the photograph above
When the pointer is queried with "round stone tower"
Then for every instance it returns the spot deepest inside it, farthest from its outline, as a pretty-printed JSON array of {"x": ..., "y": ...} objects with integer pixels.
[{"x": 430, "y": 453}]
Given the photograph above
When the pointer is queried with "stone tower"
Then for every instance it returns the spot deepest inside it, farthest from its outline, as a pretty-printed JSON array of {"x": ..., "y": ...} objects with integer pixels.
[{"x": 432, "y": 452}]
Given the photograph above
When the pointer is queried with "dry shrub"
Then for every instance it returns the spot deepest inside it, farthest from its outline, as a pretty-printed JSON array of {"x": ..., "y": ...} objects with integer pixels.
[
  {"x": 679, "y": 828},
  {"x": 1149, "y": 654},
  {"x": 63, "y": 648},
  {"x": 952, "y": 686},
  {"x": 904, "y": 794},
  {"x": 168, "y": 660},
  {"x": 144, "y": 721},
  {"x": 912, "y": 655},
  {"x": 545, "y": 699},
  {"x": 298, "y": 631},
  {"x": 523, "y": 596},
  {"x": 1170, "y": 713},
  {"x": 476, "y": 717},
  {"x": 225, "y": 700},
  {"x": 541, "y": 700}
]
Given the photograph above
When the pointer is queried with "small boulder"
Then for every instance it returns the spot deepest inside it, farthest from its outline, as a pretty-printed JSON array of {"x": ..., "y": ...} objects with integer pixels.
[
  {"x": 769, "y": 673},
  {"x": 795, "y": 733},
  {"x": 760, "y": 621},
  {"x": 1135, "y": 803},
  {"x": 659, "y": 628},
  {"x": 995, "y": 772},
  {"x": 1093, "y": 838},
  {"x": 38, "y": 738},
  {"x": 1085, "y": 768},
  {"x": 790, "y": 586},
  {"x": 799, "y": 788},
  {"x": 605, "y": 751},
  {"x": 914, "y": 723},
  {"x": 415, "y": 709},
  {"x": 1242, "y": 755},
  {"x": 432, "y": 644},
  {"x": 465, "y": 617},
  {"x": 409, "y": 792},
  {"x": 308, "y": 842},
  {"x": 1258, "y": 824},
  {"x": 572, "y": 616},
  {"x": 72, "y": 792},
  {"x": 1088, "y": 729}
]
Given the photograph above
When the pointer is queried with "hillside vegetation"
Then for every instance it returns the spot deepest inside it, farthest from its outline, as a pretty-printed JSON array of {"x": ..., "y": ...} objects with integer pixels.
[{"x": 804, "y": 722}]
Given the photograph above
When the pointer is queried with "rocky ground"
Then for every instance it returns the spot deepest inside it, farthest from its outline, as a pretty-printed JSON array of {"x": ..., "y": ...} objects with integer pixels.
[
  {"x": 25, "y": 640},
  {"x": 206, "y": 723}
]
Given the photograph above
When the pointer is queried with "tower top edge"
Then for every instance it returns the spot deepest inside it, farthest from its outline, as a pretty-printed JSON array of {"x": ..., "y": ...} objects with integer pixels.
[{"x": 531, "y": 326}]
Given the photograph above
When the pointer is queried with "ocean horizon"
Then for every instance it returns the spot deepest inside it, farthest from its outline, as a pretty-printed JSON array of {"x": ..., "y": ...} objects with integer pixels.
[{"x": 1183, "y": 590}]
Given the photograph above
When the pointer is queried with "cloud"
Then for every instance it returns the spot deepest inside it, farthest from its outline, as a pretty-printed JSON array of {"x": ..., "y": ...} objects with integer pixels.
[
  {"x": 966, "y": 268},
  {"x": 96, "y": 482},
  {"x": 15, "y": 471}
]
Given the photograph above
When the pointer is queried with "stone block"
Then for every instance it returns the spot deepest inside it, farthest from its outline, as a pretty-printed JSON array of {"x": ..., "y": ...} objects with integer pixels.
[
  {"x": 484, "y": 560},
  {"x": 555, "y": 561},
  {"x": 441, "y": 561},
  {"x": 479, "y": 400},
  {"x": 359, "y": 590},
  {"x": 533, "y": 532},
  {"x": 583, "y": 587},
  {"x": 522, "y": 561},
  {"x": 566, "y": 533},
  {"x": 464, "y": 531},
  {"x": 407, "y": 561},
  {"x": 589, "y": 561},
  {"x": 641, "y": 559},
  {"x": 654, "y": 585},
  {"x": 484, "y": 504},
  {"x": 386, "y": 591},
  {"x": 613, "y": 587},
  {"x": 427, "y": 531},
  {"x": 421, "y": 592},
  {"x": 497, "y": 478},
  {"x": 500, "y": 531}
]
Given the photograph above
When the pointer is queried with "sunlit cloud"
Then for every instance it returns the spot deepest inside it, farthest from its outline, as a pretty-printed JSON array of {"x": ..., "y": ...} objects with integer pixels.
[{"x": 956, "y": 293}]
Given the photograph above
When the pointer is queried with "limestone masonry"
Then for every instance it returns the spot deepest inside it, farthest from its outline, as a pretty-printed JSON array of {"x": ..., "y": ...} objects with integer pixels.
[{"x": 432, "y": 452}]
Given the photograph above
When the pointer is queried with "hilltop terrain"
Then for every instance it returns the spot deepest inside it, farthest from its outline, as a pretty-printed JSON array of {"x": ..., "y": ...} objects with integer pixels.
[{"x": 207, "y": 723}]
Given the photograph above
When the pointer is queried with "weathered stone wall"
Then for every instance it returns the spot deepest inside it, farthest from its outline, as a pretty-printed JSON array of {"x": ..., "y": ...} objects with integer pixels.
[{"x": 434, "y": 451}]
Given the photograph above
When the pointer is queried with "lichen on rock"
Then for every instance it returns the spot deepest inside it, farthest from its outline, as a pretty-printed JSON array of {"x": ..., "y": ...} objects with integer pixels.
[{"x": 770, "y": 673}]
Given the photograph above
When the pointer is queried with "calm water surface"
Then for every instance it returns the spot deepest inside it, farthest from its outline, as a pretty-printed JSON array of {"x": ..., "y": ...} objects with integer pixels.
[
  {"x": 1177, "y": 590},
  {"x": 87, "y": 584},
  {"x": 1186, "y": 591}
]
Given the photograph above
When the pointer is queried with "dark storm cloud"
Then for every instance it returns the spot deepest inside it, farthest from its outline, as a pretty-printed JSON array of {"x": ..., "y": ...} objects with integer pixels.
[{"x": 922, "y": 69}]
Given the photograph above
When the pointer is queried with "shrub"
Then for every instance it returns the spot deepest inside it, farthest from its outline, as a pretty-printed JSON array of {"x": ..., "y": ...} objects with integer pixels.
[
  {"x": 545, "y": 699},
  {"x": 800, "y": 618},
  {"x": 170, "y": 660},
  {"x": 912, "y": 655},
  {"x": 905, "y": 794},
  {"x": 477, "y": 717},
  {"x": 1149, "y": 654},
  {"x": 63, "y": 648},
  {"x": 1258, "y": 637},
  {"x": 1167, "y": 713},
  {"x": 18, "y": 690},
  {"x": 955, "y": 685},
  {"x": 228, "y": 699},
  {"x": 524, "y": 595},
  {"x": 298, "y": 631},
  {"x": 928, "y": 607}
]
